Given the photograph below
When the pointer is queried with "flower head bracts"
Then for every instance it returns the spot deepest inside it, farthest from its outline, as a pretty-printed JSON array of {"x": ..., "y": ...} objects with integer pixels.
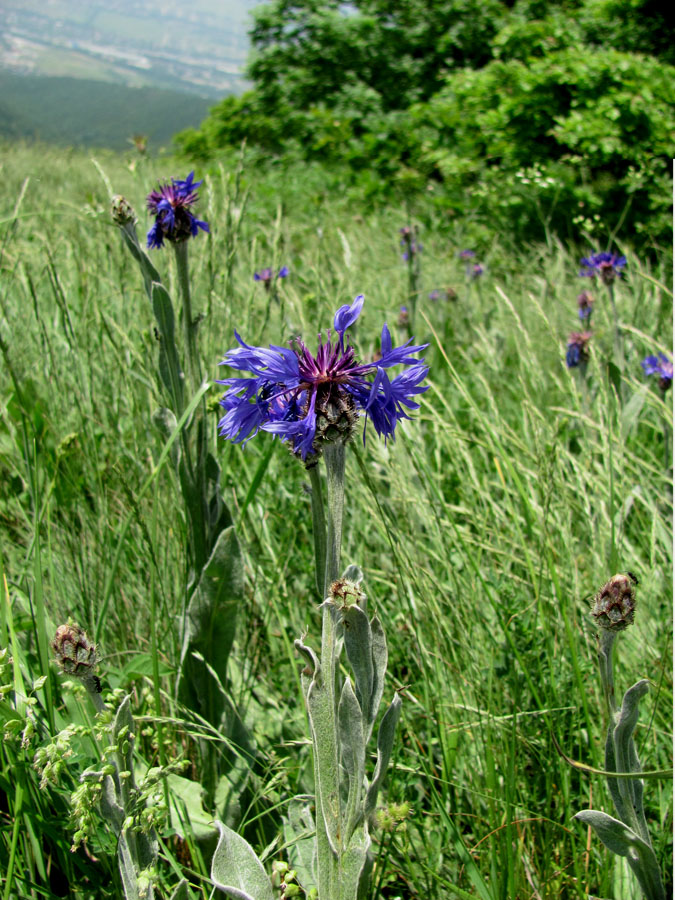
[
  {"x": 171, "y": 204},
  {"x": 607, "y": 265},
  {"x": 310, "y": 399}
]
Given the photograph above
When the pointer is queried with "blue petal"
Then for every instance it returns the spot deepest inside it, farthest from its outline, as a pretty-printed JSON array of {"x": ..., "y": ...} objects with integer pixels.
[{"x": 347, "y": 315}]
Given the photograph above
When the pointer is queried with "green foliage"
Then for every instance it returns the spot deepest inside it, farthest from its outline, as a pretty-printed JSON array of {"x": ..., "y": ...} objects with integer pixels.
[
  {"x": 460, "y": 98},
  {"x": 512, "y": 497}
]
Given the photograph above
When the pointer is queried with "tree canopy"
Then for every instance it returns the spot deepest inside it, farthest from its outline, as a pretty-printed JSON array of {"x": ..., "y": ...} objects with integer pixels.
[{"x": 462, "y": 91}]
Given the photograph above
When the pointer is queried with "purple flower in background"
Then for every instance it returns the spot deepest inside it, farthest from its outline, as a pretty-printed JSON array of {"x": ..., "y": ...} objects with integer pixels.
[
  {"x": 585, "y": 302},
  {"x": 171, "y": 204},
  {"x": 476, "y": 270},
  {"x": 607, "y": 265},
  {"x": 403, "y": 317},
  {"x": 267, "y": 275},
  {"x": 466, "y": 254},
  {"x": 449, "y": 294},
  {"x": 662, "y": 366},
  {"x": 308, "y": 399},
  {"x": 412, "y": 246},
  {"x": 577, "y": 348}
]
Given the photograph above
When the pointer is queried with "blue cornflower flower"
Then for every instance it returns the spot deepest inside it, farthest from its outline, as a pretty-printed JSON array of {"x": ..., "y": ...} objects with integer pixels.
[
  {"x": 662, "y": 366},
  {"x": 310, "y": 399},
  {"x": 607, "y": 265},
  {"x": 577, "y": 348},
  {"x": 171, "y": 205},
  {"x": 585, "y": 302},
  {"x": 267, "y": 275},
  {"x": 466, "y": 254}
]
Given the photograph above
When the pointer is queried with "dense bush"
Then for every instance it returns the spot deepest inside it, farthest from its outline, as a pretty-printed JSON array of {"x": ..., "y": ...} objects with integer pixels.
[{"x": 463, "y": 100}]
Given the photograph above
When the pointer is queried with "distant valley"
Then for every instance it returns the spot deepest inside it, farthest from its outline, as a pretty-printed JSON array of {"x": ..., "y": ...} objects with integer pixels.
[{"x": 199, "y": 48}]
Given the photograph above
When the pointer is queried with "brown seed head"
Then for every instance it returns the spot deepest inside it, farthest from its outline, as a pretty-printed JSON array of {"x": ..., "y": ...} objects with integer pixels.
[
  {"x": 614, "y": 604},
  {"x": 73, "y": 650}
]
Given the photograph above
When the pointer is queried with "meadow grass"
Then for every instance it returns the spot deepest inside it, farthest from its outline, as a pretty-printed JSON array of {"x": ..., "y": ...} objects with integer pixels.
[{"x": 482, "y": 530}]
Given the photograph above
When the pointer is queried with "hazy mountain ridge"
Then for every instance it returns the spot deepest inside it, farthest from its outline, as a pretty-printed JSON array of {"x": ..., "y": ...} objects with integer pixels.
[
  {"x": 78, "y": 112},
  {"x": 200, "y": 48}
]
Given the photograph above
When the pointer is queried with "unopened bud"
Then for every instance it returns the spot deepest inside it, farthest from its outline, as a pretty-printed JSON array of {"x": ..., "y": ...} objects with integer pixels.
[
  {"x": 73, "y": 650},
  {"x": 614, "y": 605},
  {"x": 122, "y": 211}
]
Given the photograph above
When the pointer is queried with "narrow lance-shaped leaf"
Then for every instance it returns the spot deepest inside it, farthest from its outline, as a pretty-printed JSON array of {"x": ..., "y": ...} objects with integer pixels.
[
  {"x": 358, "y": 645},
  {"x": 631, "y": 789},
  {"x": 170, "y": 370},
  {"x": 380, "y": 656},
  {"x": 385, "y": 744},
  {"x": 352, "y": 754}
]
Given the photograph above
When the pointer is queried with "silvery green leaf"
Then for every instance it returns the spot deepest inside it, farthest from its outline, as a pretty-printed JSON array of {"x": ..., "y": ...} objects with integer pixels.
[
  {"x": 352, "y": 755},
  {"x": 209, "y": 629},
  {"x": 385, "y": 744},
  {"x": 110, "y": 807},
  {"x": 350, "y": 723},
  {"x": 127, "y": 868},
  {"x": 353, "y": 573},
  {"x": 299, "y": 837},
  {"x": 623, "y": 841},
  {"x": 626, "y": 757},
  {"x": 236, "y": 870},
  {"x": 170, "y": 370},
  {"x": 322, "y": 722},
  {"x": 352, "y": 864},
  {"x": 166, "y": 423},
  {"x": 358, "y": 645},
  {"x": 380, "y": 656},
  {"x": 309, "y": 655}
]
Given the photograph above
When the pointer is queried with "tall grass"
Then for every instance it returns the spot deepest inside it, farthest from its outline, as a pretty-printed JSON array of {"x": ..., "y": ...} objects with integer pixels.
[{"x": 482, "y": 530}]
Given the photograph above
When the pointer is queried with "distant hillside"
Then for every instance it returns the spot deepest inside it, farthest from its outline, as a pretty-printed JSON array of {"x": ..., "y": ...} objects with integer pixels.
[{"x": 76, "y": 112}]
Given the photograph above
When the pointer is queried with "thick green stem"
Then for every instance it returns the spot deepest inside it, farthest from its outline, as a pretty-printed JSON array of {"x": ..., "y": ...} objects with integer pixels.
[
  {"x": 189, "y": 327},
  {"x": 319, "y": 530},
  {"x": 334, "y": 456},
  {"x": 606, "y": 661}
]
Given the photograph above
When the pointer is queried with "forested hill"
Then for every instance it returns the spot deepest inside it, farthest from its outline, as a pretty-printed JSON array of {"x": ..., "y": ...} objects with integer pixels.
[
  {"x": 542, "y": 116},
  {"x": 78, "y": 112}
]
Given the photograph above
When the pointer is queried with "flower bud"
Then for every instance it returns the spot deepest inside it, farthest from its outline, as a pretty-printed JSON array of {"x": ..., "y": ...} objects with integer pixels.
[
  {"x": 73, "y": 650},
  {"x": 614, "y": 605},
  {"x": 122, "y": 211}
]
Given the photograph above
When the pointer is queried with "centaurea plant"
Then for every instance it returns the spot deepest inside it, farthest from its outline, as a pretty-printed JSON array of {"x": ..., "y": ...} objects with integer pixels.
[
  {"x": 627, "y": 836},
  {"x": 313, "y": 402},
  {"x": 411, "y": 255},
  {"x": 214, "y": 584},
  {"x": 663, "y": 367},
  {"x": 607, "y": 267}
]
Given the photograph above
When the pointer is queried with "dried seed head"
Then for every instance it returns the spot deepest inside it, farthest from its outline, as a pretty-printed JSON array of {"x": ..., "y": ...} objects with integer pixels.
[
  {"x": 122, "y": 211},
  {"x": 614, "y": 605},
  {"x": 346, "y": 593},
  {"x": 74, "y": 652}
]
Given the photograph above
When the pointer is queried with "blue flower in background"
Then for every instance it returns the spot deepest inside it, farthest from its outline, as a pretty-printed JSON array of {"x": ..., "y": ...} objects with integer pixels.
[
  {"x": 310, "y": 399},
  {"x": 607, "y": 265},
  {"x": 466, "y": 254},
  {"x": 267, "y": 275},
  {"x": 172, "y": 205},
  {"x": 659, "y": 365},
  {"x": 585, "y": 302},
  {"x": 577, "y": 348}
]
